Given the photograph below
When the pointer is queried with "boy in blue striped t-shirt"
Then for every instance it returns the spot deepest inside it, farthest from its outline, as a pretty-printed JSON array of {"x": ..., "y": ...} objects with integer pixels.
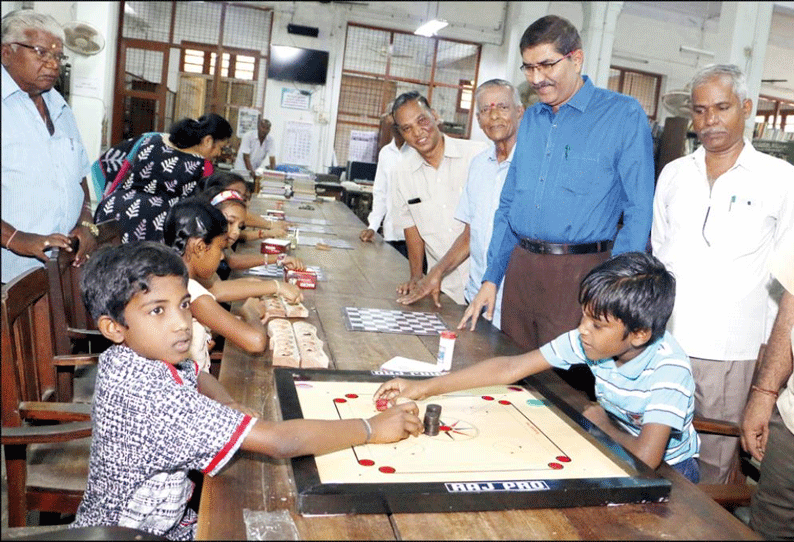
[{"x": 644, "y": 382}]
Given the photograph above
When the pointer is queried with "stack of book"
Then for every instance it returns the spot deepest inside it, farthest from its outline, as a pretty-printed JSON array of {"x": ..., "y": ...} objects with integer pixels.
[
  {"x": 303, "y": 188},
  {"x": 272, "y": 182}
]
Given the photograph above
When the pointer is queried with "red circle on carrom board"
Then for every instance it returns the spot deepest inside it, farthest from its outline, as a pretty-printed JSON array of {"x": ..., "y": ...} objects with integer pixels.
[
  {"x": 387, "y": 470},
  {"x": 487, "y": 397},
  {"x": 555, "y": 466},
  {"x": 563, "y": 459},
  {"x": 445, "y": 428},
  {"x": 515, "y": 388},
  {"x": 504, "y": 402},
  {"x": 351, "y": 396},
  {"x": 366, "y": 462},
  {"x": 340, "y": 400}
]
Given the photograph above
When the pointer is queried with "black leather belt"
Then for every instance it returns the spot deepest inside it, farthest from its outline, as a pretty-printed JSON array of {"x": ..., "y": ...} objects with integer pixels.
[{"x": 542, "y": 247}]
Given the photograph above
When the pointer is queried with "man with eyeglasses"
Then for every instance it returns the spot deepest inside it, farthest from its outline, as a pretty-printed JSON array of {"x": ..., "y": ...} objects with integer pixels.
[
  {"x": 718, "y": 215},
  {"x": 429, "y": 179},
  {"x": 583, "y": 159},
  {"x": 45, "y": 198},
  {"x": 499, "y": 113}
]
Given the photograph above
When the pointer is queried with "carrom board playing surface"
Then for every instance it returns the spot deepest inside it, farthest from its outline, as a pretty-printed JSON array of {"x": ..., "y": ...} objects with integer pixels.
[
  {"x": 392, "y": 321},
  {"x": 500, "y": 447}
]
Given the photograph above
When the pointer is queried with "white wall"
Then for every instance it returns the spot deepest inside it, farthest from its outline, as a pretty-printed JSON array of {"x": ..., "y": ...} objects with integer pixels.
[{"x": 642, "y": 42}]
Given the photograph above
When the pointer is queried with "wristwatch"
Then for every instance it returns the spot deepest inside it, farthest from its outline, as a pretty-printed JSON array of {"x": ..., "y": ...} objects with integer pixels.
[{"x": 91, "y": 227}]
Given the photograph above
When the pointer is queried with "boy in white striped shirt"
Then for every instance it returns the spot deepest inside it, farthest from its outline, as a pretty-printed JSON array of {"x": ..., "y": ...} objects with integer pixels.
[{"x": 644, "y": 382}]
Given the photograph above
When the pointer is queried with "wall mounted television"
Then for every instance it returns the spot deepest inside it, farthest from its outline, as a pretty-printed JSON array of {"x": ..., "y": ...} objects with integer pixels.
[{"x": 297, "y": 65}]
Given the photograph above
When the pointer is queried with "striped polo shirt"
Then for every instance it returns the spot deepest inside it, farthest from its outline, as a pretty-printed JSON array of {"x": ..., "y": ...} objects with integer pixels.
[{"x": 655, "y": 387}]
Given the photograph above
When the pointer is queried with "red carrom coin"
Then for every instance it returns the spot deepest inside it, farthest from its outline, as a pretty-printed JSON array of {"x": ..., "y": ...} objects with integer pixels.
[{"x": 382, "y": 404}]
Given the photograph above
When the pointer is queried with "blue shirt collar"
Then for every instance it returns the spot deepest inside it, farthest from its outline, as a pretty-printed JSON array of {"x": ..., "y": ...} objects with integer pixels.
[
  {"x": 53, "y": 99},
  {"x": 492, "y": 154},
  {"x": 580, "y": 99},
  {"x": 632, "y": 369}
]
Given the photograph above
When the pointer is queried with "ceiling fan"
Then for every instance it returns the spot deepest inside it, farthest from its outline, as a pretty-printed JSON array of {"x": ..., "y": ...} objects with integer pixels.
[{"x": 385, "y": 50}]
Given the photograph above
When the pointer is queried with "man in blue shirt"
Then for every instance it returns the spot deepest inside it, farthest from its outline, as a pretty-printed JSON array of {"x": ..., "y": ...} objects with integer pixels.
[
  {"x": 45, "y": 201},
  {"x": 583, "y": 158}
]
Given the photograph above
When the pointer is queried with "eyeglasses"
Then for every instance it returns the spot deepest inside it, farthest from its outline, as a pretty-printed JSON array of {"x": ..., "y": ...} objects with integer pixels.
[
  {"x": 543, "y": 67},
  {"x": 501, "y": 108},
  {"x": 43, "y": 54}
]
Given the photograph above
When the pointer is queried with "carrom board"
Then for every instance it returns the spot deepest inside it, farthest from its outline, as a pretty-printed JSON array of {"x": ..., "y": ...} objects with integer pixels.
[
  {"x": 499, "y": 448},
  {"x": 392, "y": 321}
]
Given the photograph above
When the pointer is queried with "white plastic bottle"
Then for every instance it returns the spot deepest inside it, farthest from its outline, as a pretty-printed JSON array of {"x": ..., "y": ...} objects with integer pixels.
[{"x": 446, "y": 346}]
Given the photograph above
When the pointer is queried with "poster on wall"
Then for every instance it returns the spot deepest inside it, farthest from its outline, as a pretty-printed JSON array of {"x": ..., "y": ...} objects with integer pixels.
[
  {"x": 297, "y": 144},
  {"x": 246, "y": 120},
  {"x": 295, "y": 99},
  {"x": 363, "y": 146}
]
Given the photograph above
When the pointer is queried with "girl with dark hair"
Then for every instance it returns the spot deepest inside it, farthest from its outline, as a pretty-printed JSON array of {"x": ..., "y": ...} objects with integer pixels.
[
  {"x": 198, "y": 232},
  {"x": 165, "y": 169},
  {"x": 259, "y": 227},
  {"x": 238, "y": 224},
  {"x": 231, "y": 204}
]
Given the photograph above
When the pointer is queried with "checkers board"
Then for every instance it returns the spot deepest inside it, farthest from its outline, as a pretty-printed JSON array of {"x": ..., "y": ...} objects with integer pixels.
[
  {"x": 393, "y": 321},
  {"x": 498, "y": 448}
]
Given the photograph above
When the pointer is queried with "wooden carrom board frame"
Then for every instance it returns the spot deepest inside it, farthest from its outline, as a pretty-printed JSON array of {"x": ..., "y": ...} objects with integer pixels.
[{"x": 313, "y": 497}]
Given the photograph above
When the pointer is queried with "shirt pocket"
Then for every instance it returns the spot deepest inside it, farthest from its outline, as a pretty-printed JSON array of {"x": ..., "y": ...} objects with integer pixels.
[
  {"x": 426, "y": 217},
  {"x": 63, "y": 150},
  {"x": 581, "y": 174}
]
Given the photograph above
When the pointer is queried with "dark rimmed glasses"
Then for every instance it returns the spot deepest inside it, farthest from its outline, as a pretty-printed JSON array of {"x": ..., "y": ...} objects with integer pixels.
[
  {"x": 543, "y": 67},
  {"x": 43, "y": 54}
]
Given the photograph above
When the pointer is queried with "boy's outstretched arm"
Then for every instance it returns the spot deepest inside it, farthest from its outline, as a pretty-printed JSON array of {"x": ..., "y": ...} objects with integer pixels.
[
  {"x": 294, "y": 438},
  {"x": 649, "y": 446},
  {"x": 208, "y": 385},
  {"x": 501, "y": 370}
]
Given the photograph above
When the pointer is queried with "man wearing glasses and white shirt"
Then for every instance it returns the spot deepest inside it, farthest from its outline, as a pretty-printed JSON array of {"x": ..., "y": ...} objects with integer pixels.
[
  {"x": 583, "y": 157},
  {"x": 719, "y": 213},
  {"x": 45, "y": 196}
]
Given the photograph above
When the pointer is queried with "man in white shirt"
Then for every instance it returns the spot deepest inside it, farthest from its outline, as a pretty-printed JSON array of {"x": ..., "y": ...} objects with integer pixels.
[
  {"x": 499, "y": 113},
  {"x": 255, "y": 146},
  {"x": 718, "y": 215},
  {"x": 382, "y": 210},
  {"x": 768, "y": 420},
  {"x": 429, "y": 181}
]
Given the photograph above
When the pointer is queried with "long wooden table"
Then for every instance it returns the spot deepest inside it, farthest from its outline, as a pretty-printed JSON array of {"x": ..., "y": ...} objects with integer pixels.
[{"x": 367, "y": 276}]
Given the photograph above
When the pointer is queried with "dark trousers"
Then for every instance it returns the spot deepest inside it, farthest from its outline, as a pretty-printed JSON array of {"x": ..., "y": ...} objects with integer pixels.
[
  {"x": 400, "y": 247},
  {"x": 541, "y": 302}
]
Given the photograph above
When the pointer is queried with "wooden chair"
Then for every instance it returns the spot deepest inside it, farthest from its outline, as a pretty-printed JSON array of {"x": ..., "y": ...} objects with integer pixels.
[
  {"x": 736, "y": 492},
  {"x": 75, "y": 331},
  {"x": 45, "y": 444}
]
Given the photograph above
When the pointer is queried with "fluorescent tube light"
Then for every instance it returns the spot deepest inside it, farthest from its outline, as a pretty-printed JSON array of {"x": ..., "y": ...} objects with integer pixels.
[{"x": 430, "y": 28}]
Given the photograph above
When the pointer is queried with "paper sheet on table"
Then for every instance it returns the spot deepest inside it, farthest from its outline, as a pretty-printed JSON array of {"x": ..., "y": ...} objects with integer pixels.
[{"x": 399, "y": 364}]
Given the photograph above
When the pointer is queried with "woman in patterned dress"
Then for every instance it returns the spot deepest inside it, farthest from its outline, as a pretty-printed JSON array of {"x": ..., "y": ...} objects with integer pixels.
[{"x": 166, "y": 169}]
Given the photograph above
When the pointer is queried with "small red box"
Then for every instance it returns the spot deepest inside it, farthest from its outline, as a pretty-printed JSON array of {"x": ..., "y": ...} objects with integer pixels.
[
  {"x": 302, "y": 279},
  {"x": 275, "y": 214},
  {"x": 274, "y": 246}
]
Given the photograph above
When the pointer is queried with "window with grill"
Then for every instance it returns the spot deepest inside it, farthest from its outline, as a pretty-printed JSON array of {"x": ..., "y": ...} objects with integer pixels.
[
  {"x": 643, "y": 86},
  {"x": 380, "y": 64},
  {"x": 216, "y": 52}
]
